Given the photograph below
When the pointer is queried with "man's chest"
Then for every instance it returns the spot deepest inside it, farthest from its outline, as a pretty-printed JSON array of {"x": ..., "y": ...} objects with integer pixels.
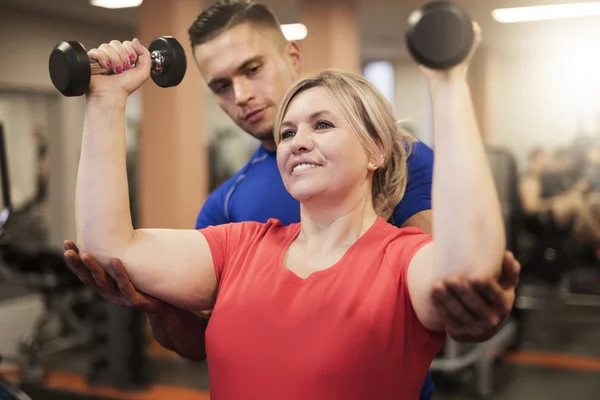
[{"x": 259, "y": 196}]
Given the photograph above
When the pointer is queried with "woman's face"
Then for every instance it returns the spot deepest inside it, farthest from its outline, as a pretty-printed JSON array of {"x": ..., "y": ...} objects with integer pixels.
[{"x": 319, "y": 155}]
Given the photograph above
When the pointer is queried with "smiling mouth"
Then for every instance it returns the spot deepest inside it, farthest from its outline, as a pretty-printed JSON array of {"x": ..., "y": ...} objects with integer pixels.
[{"x": 304, "y": 166}]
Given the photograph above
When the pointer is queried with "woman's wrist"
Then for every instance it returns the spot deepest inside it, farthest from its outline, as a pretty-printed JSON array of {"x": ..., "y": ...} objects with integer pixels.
[
  {"x": 447, "y": 82},
  {"x": 107, "y": 102}
]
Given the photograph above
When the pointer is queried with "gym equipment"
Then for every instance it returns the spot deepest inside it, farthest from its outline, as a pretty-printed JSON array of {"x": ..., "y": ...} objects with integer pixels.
[
  {"x": 44, "y": 270},
  {"x": 71, "y": 69},
  {"x": 8, "y": 391},
  {"x": 439, "y": 35}
]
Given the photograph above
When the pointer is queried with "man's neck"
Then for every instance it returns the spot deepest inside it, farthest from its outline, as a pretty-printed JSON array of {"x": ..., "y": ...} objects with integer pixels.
[{"x": 269, "y": 145}]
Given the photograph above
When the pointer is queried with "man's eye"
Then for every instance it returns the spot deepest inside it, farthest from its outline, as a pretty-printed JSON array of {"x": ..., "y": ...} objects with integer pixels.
[
  {"x": 254, "y": 70},
  {"x": 222, "y": 88}
]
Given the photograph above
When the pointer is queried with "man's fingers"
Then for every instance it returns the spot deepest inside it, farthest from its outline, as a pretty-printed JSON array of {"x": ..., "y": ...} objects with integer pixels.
[
  {"x": 511, "y": 269},
  {"x": 472, "y": 301},
  {"x": 108, "y": 287},
  {"x": 69, "y": 245},
  {"x": 80, "y": 269},
  {"x": 132, "y": 296},
  {"x": 450, "y": 321},
  {"x": 123, "y": 282},
  {"x": 491, "y": 290},
  {"x": 446, "y": 297}
]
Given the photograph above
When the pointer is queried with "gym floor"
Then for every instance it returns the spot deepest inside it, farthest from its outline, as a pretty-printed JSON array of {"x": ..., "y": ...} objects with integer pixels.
[{"x": 559, "y": 359}]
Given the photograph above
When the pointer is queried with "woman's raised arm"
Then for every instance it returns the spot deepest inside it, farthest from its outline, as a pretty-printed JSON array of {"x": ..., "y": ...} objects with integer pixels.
[
  {"x": 173, "y": 265},
  {"x": 468, "y": 230}
]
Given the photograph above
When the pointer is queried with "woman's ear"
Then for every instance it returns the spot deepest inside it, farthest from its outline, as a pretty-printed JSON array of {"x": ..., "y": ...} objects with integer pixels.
[
  {"x": 377, "y": 160},
  {"x": 372, "y": 165}
]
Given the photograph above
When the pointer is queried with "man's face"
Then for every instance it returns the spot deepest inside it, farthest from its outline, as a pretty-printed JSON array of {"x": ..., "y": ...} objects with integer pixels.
[{"x": 249, "y": 69}]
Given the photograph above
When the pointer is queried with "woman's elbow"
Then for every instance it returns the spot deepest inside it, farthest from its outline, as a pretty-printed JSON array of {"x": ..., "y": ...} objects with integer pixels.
[{"x": 481, "y": 260}]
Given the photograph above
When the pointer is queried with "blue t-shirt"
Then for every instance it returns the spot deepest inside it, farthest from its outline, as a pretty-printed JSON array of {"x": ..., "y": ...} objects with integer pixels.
[{"x": 257, "y": 193}]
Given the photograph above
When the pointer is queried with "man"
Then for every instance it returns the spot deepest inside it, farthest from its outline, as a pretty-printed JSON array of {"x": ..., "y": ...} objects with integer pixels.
[{"x": 249, "y": 65}]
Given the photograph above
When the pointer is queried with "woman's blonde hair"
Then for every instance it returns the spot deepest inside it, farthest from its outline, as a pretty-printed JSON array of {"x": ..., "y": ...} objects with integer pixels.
[{"x": 372, "y": 118}]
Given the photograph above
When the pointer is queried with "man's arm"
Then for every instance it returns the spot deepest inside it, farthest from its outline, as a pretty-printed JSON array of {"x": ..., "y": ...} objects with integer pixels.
[
  {"x": 180, "y": 331},
  {"x": 422, "y": 220}
]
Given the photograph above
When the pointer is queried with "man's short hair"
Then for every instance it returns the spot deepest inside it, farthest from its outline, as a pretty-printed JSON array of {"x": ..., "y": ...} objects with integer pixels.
[{"x": 226, "y": 14}]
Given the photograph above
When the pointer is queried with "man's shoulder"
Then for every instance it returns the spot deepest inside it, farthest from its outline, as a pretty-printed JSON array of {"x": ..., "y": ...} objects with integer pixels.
[
  {"x": 420, "y": 156},
  {"x": 259, "y": 155},
  {"x": 216, "y": 208},
  {"x": 417, "y": 196}
]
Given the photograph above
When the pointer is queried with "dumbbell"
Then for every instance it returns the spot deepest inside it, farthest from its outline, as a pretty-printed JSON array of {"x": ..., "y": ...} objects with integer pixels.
[
  {"x": 439, "y": 35},
  {"x": 71, "y": 69}
]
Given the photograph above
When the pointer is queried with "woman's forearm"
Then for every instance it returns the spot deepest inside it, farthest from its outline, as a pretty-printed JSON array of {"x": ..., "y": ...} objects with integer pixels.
[
  {"x": 467, "y": 221},
  {"x": 103, "y": 216}
]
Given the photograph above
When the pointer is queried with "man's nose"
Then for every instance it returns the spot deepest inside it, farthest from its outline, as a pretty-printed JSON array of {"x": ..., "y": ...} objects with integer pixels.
[{"x": 243, "y": 92}]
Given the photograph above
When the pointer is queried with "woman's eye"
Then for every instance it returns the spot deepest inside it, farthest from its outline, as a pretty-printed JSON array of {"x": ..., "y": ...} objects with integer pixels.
[
  {"x": 323, "y": 125},
  {"x": 287, "y": 134}
]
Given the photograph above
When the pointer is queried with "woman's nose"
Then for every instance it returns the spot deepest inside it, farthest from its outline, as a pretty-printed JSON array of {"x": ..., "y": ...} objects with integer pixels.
[{"x": 302, "y": 141}]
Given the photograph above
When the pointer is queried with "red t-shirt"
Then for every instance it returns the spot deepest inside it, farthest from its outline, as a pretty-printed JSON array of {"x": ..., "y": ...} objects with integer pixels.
[{"x": 347, "y": 332}]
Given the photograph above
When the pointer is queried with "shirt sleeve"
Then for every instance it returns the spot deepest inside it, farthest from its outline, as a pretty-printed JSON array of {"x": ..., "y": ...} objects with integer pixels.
[
  {"x": 417, "y": 196},
  {"x": 229, "y": 242},
  {"x": 399, "y": 257}
]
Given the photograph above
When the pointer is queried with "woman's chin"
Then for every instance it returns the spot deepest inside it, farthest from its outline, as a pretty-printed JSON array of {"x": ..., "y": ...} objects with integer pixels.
[{"x": 303, "y": 194}]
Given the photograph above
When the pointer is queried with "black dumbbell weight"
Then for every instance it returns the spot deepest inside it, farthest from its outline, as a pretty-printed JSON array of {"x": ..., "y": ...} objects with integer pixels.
[
  {"x": 71, "y": 69},
  {"x": 439, "y": 35}
]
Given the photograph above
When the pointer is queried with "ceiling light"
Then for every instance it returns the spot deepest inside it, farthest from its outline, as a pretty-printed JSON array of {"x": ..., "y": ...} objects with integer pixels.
[
  {"x": 294, "y": 31},
  {"x": 116, "y": 3},
  {"x": 540, "y": 13}
]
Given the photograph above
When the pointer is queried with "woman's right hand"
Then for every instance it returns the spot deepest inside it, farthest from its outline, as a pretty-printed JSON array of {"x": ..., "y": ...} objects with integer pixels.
[{"x": 120, "y": 56}]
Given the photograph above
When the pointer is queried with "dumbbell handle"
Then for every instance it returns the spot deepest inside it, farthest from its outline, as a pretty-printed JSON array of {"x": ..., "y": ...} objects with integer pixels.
[{"x": 156, "y": 57}]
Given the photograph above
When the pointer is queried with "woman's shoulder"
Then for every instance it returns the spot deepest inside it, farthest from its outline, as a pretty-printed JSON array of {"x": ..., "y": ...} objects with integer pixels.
[
  {"x": 396, "y": 232},
  {"x": 270, "y": 227},
  {"x": 405, "y": 240}
]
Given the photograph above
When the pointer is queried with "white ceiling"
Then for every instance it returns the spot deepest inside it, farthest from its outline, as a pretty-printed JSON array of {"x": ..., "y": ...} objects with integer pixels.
[{"x": 382, "y": 22}]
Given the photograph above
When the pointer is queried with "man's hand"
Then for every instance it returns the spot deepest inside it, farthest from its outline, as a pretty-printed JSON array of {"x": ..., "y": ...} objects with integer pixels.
[
  {"x": 119, "y": 291},
  {"x": 474, "y": 310}
]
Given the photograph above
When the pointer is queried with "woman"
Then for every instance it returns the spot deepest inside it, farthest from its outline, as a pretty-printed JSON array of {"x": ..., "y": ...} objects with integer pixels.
[{"x": 338, "y": 305}]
